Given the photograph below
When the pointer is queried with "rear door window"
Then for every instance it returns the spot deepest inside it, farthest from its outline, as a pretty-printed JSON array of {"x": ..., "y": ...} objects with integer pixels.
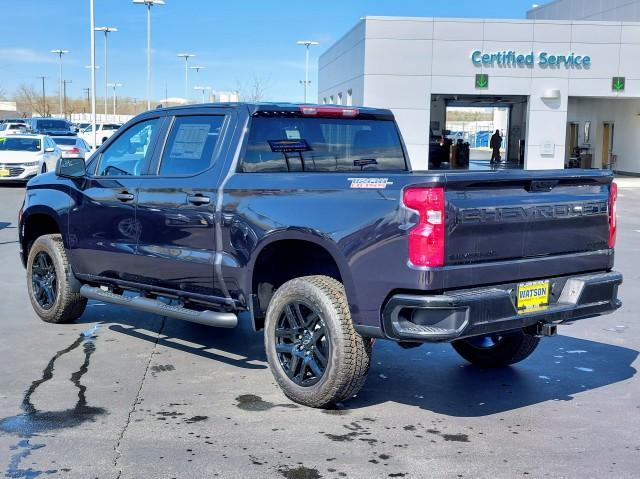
[
  {"x": 280, "y": 144},
  {"x": 191, "y": 145}
]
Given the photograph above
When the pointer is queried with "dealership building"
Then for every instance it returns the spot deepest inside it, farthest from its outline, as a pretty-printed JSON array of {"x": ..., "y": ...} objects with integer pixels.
[{"x": 568, "y": 77}]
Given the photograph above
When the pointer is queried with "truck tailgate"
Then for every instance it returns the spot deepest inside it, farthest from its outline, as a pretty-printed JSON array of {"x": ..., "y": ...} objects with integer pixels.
[{"x": 525, "y": 214}]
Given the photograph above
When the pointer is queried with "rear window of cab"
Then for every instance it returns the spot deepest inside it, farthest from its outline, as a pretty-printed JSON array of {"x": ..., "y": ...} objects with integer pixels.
[{"x": 317, "y": 144}]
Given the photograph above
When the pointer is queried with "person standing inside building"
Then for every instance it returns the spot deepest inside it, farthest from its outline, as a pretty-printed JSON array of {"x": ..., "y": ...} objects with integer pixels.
[{"x": 495, "y": 144}]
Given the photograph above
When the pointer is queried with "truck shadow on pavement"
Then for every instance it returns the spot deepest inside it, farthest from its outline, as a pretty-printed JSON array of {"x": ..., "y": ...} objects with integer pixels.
[
  {"x": 435, "y": 378},
  {"x": 432, "y": 377},
  {"x": 204, "y": 341}
]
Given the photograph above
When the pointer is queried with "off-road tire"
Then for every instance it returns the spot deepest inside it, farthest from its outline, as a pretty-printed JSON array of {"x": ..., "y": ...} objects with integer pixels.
[
  {"x": 349, "y": 354},
  {"x": 510, "y": 349},
  {"x": 68, "y": 304}
]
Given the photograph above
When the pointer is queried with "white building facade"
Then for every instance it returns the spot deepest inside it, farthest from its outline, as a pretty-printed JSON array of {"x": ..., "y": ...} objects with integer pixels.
[
  {"x": 557, "y": 76},
  {"x": 600, "y": 10}
]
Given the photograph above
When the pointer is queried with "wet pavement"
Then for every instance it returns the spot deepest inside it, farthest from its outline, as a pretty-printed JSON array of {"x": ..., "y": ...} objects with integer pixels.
[{"x": 131, "y": 395}]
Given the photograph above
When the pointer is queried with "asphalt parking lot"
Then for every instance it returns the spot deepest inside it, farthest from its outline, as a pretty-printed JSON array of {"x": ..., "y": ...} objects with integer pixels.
[{"x": 129, "y": 395}]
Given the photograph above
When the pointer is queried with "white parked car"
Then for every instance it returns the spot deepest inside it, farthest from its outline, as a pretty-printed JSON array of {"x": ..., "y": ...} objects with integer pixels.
[
  {"x": 72, "y": 146},
  {"x": 104, "y": 131},
  {"x": 13, "y": 128},
  {"x": 25, "y": 156}
]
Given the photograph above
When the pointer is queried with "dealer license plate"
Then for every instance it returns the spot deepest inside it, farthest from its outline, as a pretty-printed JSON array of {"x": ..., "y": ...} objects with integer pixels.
[
  {"x": 4, "y": 172},
  {"x": 533, "y": 296}
]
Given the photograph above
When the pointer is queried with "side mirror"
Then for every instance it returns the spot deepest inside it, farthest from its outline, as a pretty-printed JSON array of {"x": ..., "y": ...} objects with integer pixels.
[
  {"x": 49, "y": 150},
  {"x": 71, "y": 168}
]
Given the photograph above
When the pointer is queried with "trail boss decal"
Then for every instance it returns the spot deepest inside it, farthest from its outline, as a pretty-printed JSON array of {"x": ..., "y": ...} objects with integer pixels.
[{"x": 373, "y": 183}]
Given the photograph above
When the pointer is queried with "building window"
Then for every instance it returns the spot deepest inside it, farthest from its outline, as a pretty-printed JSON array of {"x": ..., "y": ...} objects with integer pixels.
[
  {"x": 340, "y": 98},
  {"x": 331, "y": 99},
  {"x": 349, "y": 97},
  {"x": 324, "y": 100}
]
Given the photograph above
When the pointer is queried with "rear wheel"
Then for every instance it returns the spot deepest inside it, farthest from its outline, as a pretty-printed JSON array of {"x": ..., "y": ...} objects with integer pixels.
[
  {"x": 52, "y": 295},
  {"x": 314, "y": 353},
  {"x": 497, "y": 350}
]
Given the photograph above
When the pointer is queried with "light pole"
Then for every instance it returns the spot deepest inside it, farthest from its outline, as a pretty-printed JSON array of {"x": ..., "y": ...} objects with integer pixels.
[
  {"x": 64, "y": 89},
  {"x": 202, "y": 89},
  {"x": 60, "y": 52},
  {"x": 186, "y": 57},
  {"x": 88, "y": 67},
  {"x": 149, "y": 4},
  {"x": 307, "y": 44},
  {"x": 92, "y": 42},
  {"x": 106, "y": 31},
  {"x": 114, "y": 86},
  {"x": 88, "y": 92}
]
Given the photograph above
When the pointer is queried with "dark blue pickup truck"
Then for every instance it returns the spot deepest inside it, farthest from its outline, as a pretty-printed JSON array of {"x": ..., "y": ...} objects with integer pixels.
[{"x": 307, "y": 221}]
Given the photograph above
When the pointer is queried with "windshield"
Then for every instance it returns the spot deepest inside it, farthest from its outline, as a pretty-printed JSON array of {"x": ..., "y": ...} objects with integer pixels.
[
  {"x": 323, "y": 144},
  {"x": 65, "y": 141},
  {"x": 52, "y": 125},
  {"x": 19, "y": 144}
]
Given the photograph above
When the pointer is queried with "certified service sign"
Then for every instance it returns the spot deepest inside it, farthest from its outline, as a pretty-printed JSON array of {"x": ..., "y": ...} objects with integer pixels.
[{"x": 510, "y": 58}]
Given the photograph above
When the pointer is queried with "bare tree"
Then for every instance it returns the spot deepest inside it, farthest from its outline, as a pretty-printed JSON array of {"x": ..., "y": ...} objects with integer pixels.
[
  {"x": 255, "y": 90},
  {"x": 29, "y": 101}
]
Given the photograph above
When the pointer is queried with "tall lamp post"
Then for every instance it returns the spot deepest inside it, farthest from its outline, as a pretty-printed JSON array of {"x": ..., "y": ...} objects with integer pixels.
[
  {"x": 60, "y": 52},
  {"x": 202, "y": 89},
  {"x": 149, "y": 4},
  {"x": 114, "y": 86},
  {"x": 106, "y": 31},
  {"x": 186, "y": 57},
  {"x": 307, "y": 44},
  {"x": 92, "y": 54}
]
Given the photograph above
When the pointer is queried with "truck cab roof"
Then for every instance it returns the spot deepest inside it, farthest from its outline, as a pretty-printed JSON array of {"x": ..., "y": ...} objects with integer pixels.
[{"x": 284, "y": 107}]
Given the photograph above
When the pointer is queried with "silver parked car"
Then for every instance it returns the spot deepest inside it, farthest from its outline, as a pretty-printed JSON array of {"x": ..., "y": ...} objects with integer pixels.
[{"x": 72, "y": 146}]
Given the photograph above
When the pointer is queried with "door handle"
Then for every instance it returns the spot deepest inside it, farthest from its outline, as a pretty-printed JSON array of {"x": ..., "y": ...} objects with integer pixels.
[
  {"x": 198, "y": 199},
  {"x": 124, "y": 196}
]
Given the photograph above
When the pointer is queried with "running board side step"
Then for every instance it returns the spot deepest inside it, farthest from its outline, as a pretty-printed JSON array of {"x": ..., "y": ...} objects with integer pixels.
[{"x": 140, "y": 303}]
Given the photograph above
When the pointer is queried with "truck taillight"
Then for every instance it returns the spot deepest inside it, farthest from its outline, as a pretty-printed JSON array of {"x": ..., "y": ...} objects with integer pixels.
[
  {"x": 329, "y": 111},
  {"x": 613, "y": 221},
  {"x": 426, "y": 239}
]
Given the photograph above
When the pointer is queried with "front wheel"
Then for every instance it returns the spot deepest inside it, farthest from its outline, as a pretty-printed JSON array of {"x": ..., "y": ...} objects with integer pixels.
[
  {"x": 315, "y": 354},
  {"x": 52, "y": 295},
  {"x": 497, "y": 350}
]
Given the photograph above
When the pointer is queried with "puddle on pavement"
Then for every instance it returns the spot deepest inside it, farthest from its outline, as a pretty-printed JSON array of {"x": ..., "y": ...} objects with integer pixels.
[
  {"x": 33, "y": 421},
  {"x": 251, "y": 402}
]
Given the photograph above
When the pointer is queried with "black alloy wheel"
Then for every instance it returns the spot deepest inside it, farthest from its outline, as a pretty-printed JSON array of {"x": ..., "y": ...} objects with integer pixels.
[
  {"x": 302, "y": 343},
  {"x": 44, "y": 280}
]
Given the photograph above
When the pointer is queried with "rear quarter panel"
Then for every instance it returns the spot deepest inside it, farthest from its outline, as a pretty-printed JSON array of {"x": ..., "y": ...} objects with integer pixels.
[{"x": 363, "y": 229}]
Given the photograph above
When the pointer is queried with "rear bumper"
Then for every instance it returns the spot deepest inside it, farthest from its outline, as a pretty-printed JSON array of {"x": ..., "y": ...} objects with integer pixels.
[{"x": 479, "y": 311}]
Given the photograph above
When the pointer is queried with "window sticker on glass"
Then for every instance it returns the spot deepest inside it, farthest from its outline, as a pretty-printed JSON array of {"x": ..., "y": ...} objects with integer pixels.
[
  {"x": 289, "y": 146},
  {"x": 190, "y": 141},
  {"x": 293, "y": 134},
  {"x": 365, "y": 162}
]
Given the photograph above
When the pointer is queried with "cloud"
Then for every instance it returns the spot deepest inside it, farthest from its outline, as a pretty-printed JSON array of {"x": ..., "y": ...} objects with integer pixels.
[{"x": 26, "y": 55}]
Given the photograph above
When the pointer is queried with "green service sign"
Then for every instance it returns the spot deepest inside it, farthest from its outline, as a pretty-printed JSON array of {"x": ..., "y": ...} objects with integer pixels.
[
  {"x": 482, "y": 80},
  {"x": 617, "y": 84}
]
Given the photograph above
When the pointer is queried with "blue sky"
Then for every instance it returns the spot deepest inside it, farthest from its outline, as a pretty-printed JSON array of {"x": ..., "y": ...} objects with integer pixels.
[{"x": 235, "y": 40}]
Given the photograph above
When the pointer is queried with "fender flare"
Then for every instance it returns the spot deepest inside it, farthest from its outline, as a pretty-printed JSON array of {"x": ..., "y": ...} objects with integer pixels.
[{"x": 312, "y": 237}]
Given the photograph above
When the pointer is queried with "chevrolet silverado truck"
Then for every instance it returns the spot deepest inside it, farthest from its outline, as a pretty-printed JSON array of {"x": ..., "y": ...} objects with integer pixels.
[{"x": 307, "y": 222}]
